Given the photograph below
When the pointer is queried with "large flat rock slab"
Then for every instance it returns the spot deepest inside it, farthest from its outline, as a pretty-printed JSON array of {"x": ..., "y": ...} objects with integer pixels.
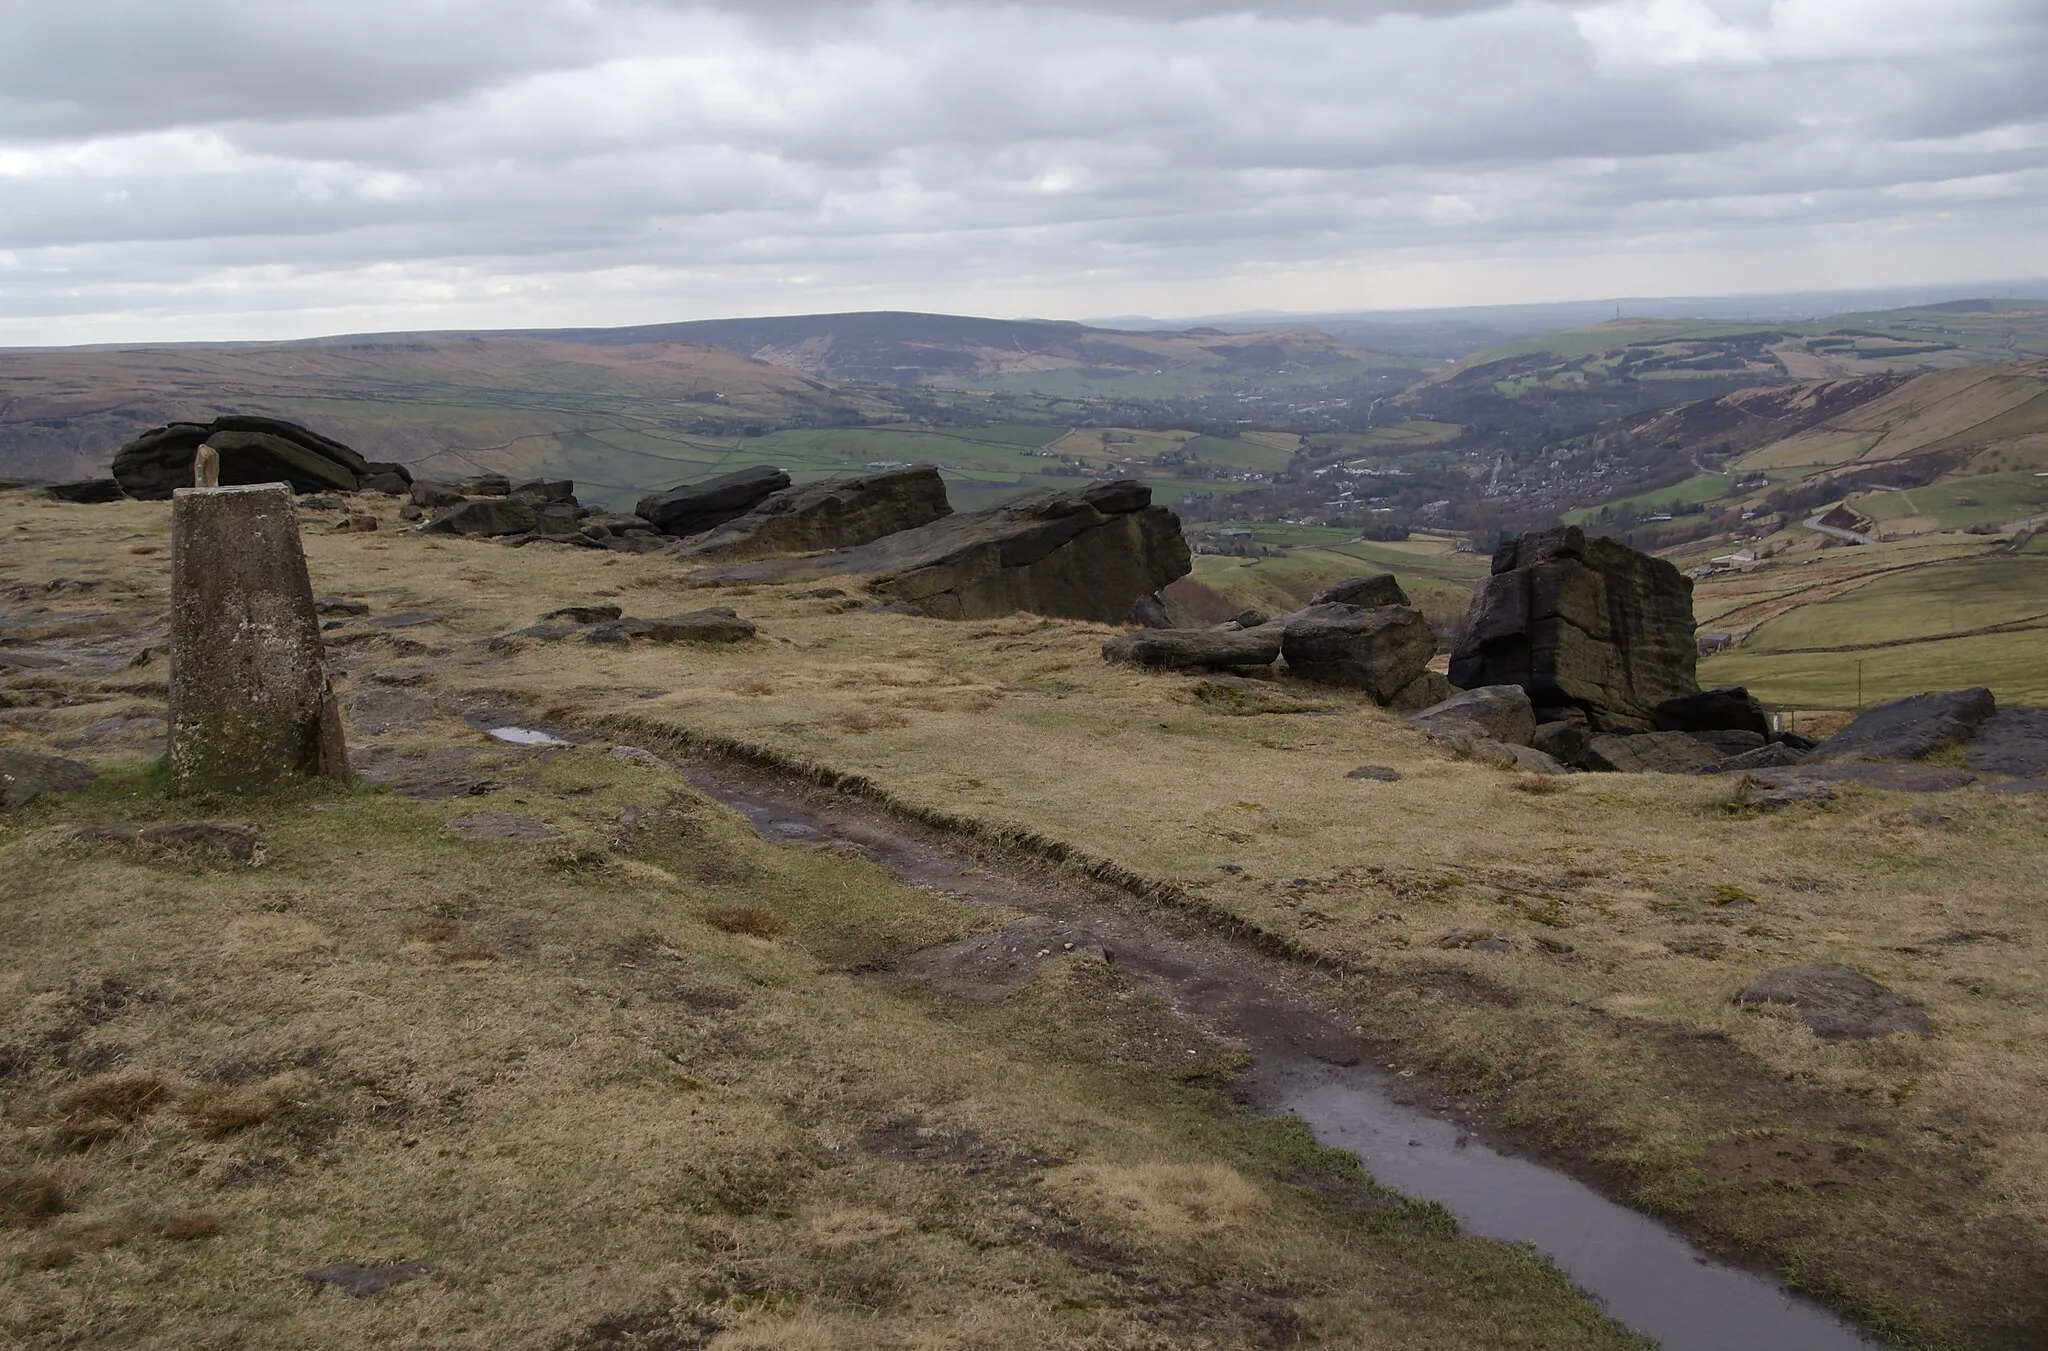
[
  {"x": 838, "y": 514},
  {"x": 1075, "y": 555},
  {"x": 1911, "y": 728},
  {"x": 1839, "y": 1002},
  {"x": 2011, "y": 741}
]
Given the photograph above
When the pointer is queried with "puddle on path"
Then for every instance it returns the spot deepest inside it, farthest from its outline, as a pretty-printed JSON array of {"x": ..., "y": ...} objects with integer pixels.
[{"x": 1311, "y": 1064}]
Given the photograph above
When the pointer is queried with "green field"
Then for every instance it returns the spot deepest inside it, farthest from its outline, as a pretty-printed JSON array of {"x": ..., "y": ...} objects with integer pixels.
[
  {"x": 1987, "y": 499},
  {"x": 1699, "y": 488},
  {"x": 1892, "y": 633}
]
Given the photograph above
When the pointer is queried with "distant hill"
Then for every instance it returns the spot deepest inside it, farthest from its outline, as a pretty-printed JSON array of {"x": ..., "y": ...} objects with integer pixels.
[
  {"x": 1043, "y": 356},
  {"x": 443, "y": 404},
  {"x": 1911, "y": 454}
]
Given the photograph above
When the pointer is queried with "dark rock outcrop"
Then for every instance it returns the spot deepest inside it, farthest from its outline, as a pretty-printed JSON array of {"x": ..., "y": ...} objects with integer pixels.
[
  {"x": 1368, "y": 593},
  {"x": 252, "y": 450},
  {"x": 1730, "y": 708},
  {"x": 1911, "y": 728},
  {"x": 1194, "y": 649},
  {"x": 1150, "y": 612},
  {"x": 1380, "y": 651},
  {"x": 1076, "y": 555},
  {"x": 1839, "y": 1002},
  {"x": 1591, "y": 624},
  {"x": 541, "y": 491},
  {"x": 435, "y": 496},
  {"x": 1425, "y": 691},
  {"x": 696, "y": 507},
  {"x": 1562, "y": 739},
  {"x": 2012, "y": 741},
  {"x": 87, "y": 492},
  {"x": 485, "y": 516},
  {"x": 840, "y": 514},
  {"x": 25, "y": 777},
  {"x": 1772, "y": 756},
  {"x": 1650, "y": 753},
  {"x": 715, "y": 625},
  {"x": 1494, "y": 712}
]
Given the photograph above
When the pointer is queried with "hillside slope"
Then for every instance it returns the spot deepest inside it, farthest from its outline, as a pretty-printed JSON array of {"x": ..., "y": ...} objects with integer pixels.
[{"x": 450, "y": 404}]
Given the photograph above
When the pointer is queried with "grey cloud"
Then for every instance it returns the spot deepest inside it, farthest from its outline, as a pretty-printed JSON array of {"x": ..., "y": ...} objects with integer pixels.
[{"x": 442, "y": 162}]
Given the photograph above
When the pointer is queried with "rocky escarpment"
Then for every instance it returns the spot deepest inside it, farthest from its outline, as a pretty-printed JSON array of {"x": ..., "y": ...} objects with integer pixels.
[
  {"x": 836, "y": 514},
  {"x": 696, "y": 507},
  {"x": 1075, "y": 555},
  {"x": 1582, "y": 624},
  {"x": 252, "y": 450}
]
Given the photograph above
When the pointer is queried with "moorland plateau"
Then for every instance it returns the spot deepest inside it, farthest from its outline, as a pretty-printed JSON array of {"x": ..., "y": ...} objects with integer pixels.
[{"x": 621, "y": 1070}]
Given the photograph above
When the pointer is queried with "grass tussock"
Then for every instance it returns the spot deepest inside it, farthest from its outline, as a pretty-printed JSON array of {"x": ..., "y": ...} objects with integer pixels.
[{"x": 751, "y": 921}]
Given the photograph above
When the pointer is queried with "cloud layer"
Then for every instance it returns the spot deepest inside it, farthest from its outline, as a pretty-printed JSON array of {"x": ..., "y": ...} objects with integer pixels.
[{"x": 238, "y": 168}]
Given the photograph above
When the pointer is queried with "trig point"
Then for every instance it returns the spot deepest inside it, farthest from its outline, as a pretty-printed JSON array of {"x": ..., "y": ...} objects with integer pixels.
[{"x": 250, "y": 704}]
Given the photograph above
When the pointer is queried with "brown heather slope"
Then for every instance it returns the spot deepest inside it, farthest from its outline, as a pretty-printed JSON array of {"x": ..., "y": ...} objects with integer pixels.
[
  {"x": 1902, "y": 1178},
  {"x": 648, "y": 1082},
  {"x": 448, "y": 405}
]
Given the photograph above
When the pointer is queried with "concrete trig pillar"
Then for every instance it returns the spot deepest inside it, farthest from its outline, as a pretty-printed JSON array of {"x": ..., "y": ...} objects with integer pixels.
[{"x": 250, "y": 703}]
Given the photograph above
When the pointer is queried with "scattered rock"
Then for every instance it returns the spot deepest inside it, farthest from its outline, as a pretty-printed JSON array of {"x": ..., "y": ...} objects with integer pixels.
[
  {"x": 435, "y": 496},
  {"x": 24, "y": 777},
  {"x": 332, "y": 606},
  {"x": 1380, "y": 651},
  {"x": 362, "y": 1282},
  {"x": 1772, "y": 756},
  {"x": 1458, "y": 940},
  {"x": 1563, "y": 740},
  {"x": 1425, "y": 691},
  {"x": 1839, "y": 1002},
  {"x": 387, "y": 482},
  {"x": 634, "y": 755},
  {"x": 486, "y": 485},
  {"x": 431, "y": 777},
  {"x": 1193, "y": 649},
  {"x": 1367, "y": 593},
  {"x": 1149, "y": 612},
  {"x": 1075, "y": 555},
  {"x": 401, "y": 675},
  {"x": 375, "y": 712},
  {"x": 1375, "y": 774},
  {"x": 526, "y": 736},
  {"x": 985, "y": 968},
  {"x": 697, "y": 507},
  {"x": 1896, "y": 778},
  {"x": 544, "y": 491},
  {"x": 833, "y": 515},
  {"x": 582, "y": 614},
  {"x": 2018, "y": 787},
  {"x": 1496, "y": 712},
  {"x": 87, "y": 492},
  {"x": 2011, "y": 741},
  {"x": 715, "y": 625},
  {"x": 407, "y": 619},
  {"x": 1502, "y": 754},
  {"x": 252, "y": 450},
  {"x": 486, "y": 516},
  {"x": 1911, "y": 728},
  {"x": 1731, "y": 741},
  {"x": 1586, "y": 623},
  {"x": 1649, "y": 753},
  {"x": 503, "y": 826},
  {"x": 1774, "y": 794},
  {"x": 1729, "y": 708},
  {"x": 236, "y": 839}
]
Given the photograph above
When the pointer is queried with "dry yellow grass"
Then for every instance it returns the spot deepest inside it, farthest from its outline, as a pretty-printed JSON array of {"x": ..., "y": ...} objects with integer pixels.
[{"x": 1636, "y": 907}]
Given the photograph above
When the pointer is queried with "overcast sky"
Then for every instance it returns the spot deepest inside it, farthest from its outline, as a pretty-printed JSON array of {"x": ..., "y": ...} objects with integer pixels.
[{"x": 275, "y": 168}]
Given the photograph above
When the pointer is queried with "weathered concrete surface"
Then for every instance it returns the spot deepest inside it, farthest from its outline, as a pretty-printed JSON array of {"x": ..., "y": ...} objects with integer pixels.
[
  {"x": 250, "y": 703},
  {"x": 1582, "y": 623},
  {"x": 834, "y": 515}
]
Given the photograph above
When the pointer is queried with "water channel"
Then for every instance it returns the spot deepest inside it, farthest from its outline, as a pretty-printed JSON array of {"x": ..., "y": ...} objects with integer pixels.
[{"x": 1310, "y": 1063}]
